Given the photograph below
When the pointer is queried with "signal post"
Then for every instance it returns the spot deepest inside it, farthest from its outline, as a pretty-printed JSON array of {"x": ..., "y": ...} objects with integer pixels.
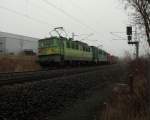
[{"x": 136, "y": 43}]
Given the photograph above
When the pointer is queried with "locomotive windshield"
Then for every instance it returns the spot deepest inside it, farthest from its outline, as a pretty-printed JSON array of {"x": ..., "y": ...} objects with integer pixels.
[{"x": 45, "y": 43}]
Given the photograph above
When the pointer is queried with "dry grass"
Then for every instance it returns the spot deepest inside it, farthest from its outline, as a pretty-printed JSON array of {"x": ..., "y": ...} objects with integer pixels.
[
  {"x": 18, "y": 63},
  {"x": 129, "y": 101}
]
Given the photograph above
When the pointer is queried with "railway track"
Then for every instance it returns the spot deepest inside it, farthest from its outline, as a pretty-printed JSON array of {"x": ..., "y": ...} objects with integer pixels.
[{"x": 21, "y": 77}]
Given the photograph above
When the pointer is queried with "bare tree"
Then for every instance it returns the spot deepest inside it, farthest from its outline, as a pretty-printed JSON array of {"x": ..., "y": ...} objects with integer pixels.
[{"x": 141, "y": 14}]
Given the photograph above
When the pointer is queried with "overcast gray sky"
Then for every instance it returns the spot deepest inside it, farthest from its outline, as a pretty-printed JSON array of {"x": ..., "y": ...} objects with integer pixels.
[{"x": 36, "y": 18}]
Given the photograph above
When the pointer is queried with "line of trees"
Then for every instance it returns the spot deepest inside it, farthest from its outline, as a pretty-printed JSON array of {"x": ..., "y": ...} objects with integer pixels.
[{"x": 141, "y": 14}]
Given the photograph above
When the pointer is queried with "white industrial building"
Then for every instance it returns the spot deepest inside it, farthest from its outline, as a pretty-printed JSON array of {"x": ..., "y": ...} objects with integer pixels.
[{"x": 14, "y": 44}]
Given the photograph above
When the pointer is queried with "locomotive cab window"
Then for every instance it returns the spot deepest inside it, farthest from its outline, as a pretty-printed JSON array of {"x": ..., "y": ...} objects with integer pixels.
[
  {"x": 100, "y": 52},
  {"x": 73, "y": 45},
  {"x": 49, "y": 42},
  {"x": 89, "y": 49},
  {"x": 68, "y": 44},
  {"x": 46, "y": 43},
  {"x": 77, "y": 47},
  {"x": 41, "y": 44},
  {"x": 84, "y": 49},
  {"x": 80, "y": 47}
]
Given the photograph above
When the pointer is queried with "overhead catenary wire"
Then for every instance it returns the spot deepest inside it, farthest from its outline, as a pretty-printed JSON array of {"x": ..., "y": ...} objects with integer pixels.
[
  {"x": 24, "y": 15},
  {"x": 119, "y": 37},
  {"x": 77, "y": 6},
  {"x": 68, "y": 15}
]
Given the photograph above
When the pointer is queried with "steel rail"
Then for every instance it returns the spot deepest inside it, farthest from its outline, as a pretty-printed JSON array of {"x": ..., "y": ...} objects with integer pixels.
[{"x": 31, "y": 76}]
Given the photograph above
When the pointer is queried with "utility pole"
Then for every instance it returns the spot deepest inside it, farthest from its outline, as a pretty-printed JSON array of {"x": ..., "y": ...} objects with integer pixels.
[
  {"x": 136, "y": 42},
  {"x": 137, "y": 49}
]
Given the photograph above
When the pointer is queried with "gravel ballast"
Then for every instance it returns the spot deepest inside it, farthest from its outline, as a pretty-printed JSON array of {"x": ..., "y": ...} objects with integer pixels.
[{"x": 45, "y": 99}]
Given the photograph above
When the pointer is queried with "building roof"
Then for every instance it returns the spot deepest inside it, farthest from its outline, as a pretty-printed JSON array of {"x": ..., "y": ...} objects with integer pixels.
[{"x": 16, "y": 36}]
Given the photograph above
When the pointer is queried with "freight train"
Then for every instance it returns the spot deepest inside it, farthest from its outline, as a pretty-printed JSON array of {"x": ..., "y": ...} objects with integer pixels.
[{"x": 63, "y": 50}]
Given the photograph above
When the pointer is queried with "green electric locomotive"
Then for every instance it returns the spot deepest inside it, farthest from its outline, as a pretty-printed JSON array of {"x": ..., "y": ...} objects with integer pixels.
[{"x": 61, "y": 49}]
